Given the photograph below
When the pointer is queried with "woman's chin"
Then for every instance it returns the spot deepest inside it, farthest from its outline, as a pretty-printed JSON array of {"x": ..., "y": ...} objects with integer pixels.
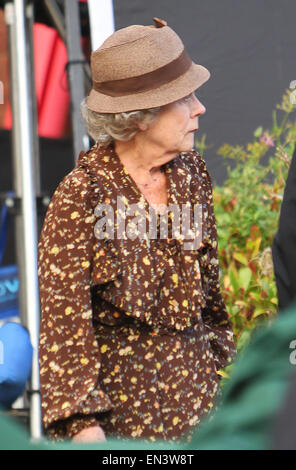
[
  {"x": 188, "y": 143},
  {"x": 187, "y": 147}
]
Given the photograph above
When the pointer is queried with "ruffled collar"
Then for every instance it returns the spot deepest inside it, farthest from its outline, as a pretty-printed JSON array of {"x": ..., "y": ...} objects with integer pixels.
[
  {"x": 105, "y": 162},
  {"x": 145, "y": 297}
]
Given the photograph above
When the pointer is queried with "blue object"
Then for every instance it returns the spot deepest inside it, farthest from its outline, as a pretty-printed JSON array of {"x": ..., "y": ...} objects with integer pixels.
[
  {"x": 16, "y": 354},
  {"x": 9, "y": 282},
  {"x": 15, "y": 346}
]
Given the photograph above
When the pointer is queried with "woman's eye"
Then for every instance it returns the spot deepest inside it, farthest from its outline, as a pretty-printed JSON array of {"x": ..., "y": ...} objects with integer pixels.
[{"x": 188, "y": 98}]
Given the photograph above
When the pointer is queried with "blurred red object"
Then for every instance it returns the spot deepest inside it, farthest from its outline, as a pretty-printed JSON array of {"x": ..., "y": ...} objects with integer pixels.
[{"x": 52, "y": 89}]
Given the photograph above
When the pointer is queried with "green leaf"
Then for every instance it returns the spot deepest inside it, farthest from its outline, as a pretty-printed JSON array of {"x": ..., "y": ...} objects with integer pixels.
[
  {"x": 243, "y": 339},
  {"x": 245, "y": 276},
  {"x": 223, "y": 374},
  {"x": 274, "y": 121},
  {"x": 241, "y": 258},
  {"x": 233, "y": 280},
  {"x": 258, "y": 311},
  {"x": 258, "y": 132}
]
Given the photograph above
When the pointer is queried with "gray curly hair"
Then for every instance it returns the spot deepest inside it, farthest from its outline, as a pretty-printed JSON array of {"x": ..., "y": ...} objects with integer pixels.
[{"x": 103, "y": 128}]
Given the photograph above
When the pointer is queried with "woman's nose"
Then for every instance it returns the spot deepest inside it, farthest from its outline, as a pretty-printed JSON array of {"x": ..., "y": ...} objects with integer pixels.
[{"x": 197, "y": 107}]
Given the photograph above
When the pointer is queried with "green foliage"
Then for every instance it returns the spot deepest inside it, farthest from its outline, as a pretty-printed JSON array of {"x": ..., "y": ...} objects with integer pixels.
[{"x": 247, "y": 210}]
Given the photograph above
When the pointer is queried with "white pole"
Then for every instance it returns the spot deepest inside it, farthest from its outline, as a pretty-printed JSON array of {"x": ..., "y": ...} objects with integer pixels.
[
  {"x": 24, "y": 166},
  {"x": 101, "y": 18}
]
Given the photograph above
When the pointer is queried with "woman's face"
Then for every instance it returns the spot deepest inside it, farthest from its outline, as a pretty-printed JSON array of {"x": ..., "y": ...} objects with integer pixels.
[{"x": 174, "y": 128}]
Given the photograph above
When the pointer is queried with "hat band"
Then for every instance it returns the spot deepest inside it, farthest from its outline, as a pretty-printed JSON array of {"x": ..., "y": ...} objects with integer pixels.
[{"x": 147, "y": 81}]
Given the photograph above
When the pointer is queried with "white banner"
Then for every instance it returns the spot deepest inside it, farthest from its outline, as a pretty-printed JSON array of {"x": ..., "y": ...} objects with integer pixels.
[{"x": 101, "y": 18}]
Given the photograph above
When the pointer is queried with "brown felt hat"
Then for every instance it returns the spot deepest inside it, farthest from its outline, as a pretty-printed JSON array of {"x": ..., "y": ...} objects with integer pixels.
[{"x": 142, "y": 67}]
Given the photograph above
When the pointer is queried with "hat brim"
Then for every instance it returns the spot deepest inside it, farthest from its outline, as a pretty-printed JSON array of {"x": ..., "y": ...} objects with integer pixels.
[{"x": 195, "y": 76}]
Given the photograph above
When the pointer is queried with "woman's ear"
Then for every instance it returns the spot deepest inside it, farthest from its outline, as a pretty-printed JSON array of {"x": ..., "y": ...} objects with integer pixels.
[{"x": 141, "y": 125}]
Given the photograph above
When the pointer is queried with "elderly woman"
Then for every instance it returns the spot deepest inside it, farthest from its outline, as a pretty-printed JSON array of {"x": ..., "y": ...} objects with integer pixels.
[{"x": 134, "y": 328}]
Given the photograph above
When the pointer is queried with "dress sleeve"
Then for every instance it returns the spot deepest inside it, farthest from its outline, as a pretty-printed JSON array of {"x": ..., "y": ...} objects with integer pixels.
[
  {"x": 214, "y": 314},
  {"x": 69, "y": 357}
]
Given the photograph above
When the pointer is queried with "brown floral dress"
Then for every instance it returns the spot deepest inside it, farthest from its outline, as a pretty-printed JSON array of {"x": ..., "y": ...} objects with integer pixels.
[{"x": 133, "y": 329}]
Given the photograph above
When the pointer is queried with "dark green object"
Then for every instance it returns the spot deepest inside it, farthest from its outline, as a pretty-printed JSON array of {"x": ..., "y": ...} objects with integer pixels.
[{"x": 251, "y": 401}]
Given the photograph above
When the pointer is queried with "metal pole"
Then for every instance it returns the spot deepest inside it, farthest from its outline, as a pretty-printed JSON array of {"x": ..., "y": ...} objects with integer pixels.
[
  {"x": 57, "y": 16},
  {"x": 24, "y": 150},
  {"x": 58, "y": 19},
  {"x": 33, "y": 99},
  {"x": 76, "y": 75}
]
